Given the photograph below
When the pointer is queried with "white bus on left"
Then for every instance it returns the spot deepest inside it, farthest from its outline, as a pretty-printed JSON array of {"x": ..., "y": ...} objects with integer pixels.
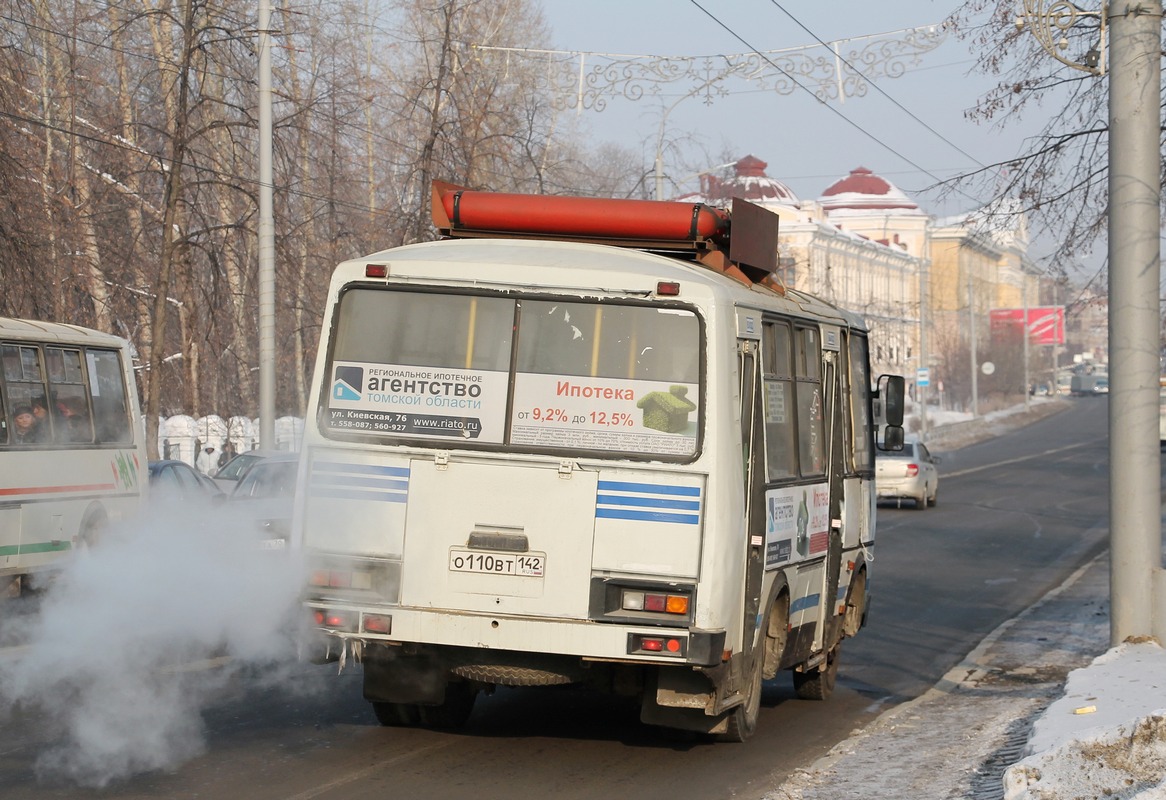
[{"x": 72, "y": 442}]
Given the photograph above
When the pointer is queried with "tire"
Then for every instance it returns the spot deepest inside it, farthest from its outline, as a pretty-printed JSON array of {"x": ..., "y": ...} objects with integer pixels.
[
  {"x": 818, "y": 683},
  {"x": 93, "y": 529},
  {"x": 743, "y": 719},
  {"x": 935, "y": 497},
  {"x": 453, "y": 713},
  {"x": 396, "y": 715},
  {"x": 921, "y": 501},
  {"x": 855, "y": 605}
]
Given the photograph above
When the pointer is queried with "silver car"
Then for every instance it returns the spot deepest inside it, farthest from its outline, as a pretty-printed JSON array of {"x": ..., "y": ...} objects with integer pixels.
[{"x": 909, "y": 474}]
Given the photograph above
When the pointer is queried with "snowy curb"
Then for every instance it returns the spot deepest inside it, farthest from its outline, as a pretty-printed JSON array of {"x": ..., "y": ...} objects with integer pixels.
[{"x": 1097, "y": 738}]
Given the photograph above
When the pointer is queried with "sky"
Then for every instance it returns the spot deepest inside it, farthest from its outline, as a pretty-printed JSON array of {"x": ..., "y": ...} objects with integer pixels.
[{"x": 911, "y": 129}]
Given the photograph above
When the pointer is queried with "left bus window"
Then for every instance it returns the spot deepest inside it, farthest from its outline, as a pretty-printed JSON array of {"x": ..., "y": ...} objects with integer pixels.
[
  {"x": 27, "y": 395},
  {"x": 421, "y": 364}
]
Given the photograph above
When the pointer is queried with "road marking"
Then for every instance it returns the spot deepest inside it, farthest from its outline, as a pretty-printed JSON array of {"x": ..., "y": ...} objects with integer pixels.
[
  {"x": 1018, "y": 459},
  {"x": 377, "y": 767}
]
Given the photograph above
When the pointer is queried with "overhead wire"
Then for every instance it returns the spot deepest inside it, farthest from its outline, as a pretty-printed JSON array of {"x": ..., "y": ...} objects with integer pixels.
[{"x": 793, "y": 79}]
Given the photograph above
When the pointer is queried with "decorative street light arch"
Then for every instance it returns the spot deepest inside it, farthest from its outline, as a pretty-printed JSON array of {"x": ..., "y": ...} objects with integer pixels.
[{"x": 830, "y": 71}]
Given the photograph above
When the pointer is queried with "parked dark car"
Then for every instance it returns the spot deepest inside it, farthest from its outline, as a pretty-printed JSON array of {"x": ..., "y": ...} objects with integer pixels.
[
  {"x": 171, "y": 479},
  {"x": 229, "y": 474},
  {"x": 264, "y": 497}
]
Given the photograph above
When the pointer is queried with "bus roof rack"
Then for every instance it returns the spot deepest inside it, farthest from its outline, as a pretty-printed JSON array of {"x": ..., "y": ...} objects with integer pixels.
[{"x": 741, "y": 243}]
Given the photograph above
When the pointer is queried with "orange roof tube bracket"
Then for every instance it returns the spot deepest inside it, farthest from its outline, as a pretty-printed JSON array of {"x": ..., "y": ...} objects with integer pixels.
[{"x": 644, "y": 224}]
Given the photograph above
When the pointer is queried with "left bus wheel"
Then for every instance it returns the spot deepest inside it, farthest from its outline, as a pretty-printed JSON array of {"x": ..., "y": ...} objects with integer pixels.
[{"x": 743, "y": 719}]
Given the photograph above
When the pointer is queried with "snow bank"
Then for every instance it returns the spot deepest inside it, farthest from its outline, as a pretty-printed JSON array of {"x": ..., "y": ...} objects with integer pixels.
[{"x": 1100, "y": 739}]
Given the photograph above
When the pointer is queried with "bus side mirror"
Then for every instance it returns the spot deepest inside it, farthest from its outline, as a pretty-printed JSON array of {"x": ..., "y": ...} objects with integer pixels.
[
  {"x": 892, "y": 438},
  {"x": 891, "y": 394}
]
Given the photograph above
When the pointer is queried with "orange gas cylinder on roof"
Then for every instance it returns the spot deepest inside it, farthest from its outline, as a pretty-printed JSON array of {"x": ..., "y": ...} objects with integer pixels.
[{"x": 601, "y": 218}]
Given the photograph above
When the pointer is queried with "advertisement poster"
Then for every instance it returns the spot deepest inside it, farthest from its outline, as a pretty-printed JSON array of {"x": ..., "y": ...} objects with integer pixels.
[
  {"x": 797, "y": 524},
  {"x": 605, "y": 414},
  {"x": 433, "y": 402}
]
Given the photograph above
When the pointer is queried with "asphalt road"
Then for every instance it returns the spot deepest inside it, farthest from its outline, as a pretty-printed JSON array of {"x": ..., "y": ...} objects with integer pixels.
[{"x": 1015, "y": 516}]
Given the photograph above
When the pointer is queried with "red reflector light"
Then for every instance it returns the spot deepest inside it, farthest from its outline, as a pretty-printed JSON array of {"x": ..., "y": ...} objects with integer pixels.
[
  {"x": 338, "y": 620},
  {"x": 655, "y": 602},
  {"x": 318, "y": 616},
  {"x": 912, "y": 470},
  {"x": 654, "y": 645},
  {"x": 376, "y": 271},
  {"x": 376, "y": 623},
  {"x": 668, "y": 289},
  {"x": 673, "y": 645}
]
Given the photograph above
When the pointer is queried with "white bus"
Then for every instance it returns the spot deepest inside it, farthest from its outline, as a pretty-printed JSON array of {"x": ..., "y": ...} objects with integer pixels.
[
  {"x": 585, "y": 442},
  {"x": 72, "y": 442}
]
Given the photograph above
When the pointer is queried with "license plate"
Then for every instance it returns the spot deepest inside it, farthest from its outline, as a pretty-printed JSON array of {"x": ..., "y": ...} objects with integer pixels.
[{"x": 525, "y": 564}]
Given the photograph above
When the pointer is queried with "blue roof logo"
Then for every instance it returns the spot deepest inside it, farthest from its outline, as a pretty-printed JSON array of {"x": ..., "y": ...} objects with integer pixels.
[{"x": 347, "y": 383}]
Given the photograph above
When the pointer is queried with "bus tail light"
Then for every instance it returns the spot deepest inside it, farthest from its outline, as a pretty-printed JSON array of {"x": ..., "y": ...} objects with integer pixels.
[
  {"x": 341, "y": 579},
  {"x": 377, "y": 623},
  {"x": 335, "y": 620},
  {"x": 642, "y": 644},
  {"x": 627, "y": 600},
  {"x": 655, "y": 602}
]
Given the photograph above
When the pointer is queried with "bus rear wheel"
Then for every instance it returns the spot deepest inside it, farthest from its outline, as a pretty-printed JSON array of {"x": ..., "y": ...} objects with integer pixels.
[
  {"x": 454, "y": 711},
  {"x": 742, "y": 720},
  {"x": 817, "y": 683}
]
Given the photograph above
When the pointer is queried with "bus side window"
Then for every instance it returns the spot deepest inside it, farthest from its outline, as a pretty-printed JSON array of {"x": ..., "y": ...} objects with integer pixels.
[
  {"x": 24, "y": 379},
  {"x": 107, "y": 392},
  {"x": 781, "y": 451},
  {"x": 67, "y": 379}
]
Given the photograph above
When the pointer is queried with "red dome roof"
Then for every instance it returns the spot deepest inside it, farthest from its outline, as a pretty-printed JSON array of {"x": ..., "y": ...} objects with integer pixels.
[
  {"x": 749, "y": 183},
  {"x": 863, "y": 190}
]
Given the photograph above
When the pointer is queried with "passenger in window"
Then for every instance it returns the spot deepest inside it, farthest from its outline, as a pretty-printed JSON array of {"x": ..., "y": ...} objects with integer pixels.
[
  {"x": 74, "y": 422},
  {"x": 25, "y": 429}
]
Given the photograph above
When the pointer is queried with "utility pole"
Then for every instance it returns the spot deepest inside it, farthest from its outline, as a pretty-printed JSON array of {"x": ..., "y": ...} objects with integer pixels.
[
  {"x": 1138, "y": 593},
  {"x": 266, "y": 239},
  {"x": 1137, "y": 580}
]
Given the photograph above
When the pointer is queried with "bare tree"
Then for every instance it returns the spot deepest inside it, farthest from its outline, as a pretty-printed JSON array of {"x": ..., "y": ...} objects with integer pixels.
[{"x": 1060, "y": 174}]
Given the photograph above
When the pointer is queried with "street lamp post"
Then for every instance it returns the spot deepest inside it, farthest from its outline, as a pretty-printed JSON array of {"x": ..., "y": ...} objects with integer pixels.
[
  {"x": 1134, "y": 276},
  {"x": 1137, "y": 580},
  {"x": 266, "y": 238}
]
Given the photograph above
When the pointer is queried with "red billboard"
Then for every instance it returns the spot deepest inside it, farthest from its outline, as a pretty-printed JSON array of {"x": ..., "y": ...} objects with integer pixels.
[{"x": 1046, "y": 324}]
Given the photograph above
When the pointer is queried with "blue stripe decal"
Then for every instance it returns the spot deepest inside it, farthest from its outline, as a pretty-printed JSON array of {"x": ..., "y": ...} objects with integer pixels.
[
  {"x": 668, "y": 501},
  {"x": 646, "y": 516},
  {"x": 366, "y": 469},
  {"x": 649, "y": 488},
  {"x": 356, "y": 494},
  {"x": 369, "y": 483},
  {"x": 650, "y": 502},
  {"x": 802, "y": 603}
]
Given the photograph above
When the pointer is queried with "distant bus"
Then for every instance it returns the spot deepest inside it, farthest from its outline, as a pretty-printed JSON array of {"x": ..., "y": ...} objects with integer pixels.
[{"x": 72, "y": 442}]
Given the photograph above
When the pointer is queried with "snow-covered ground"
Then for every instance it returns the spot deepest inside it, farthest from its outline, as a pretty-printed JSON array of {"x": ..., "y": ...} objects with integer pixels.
[
  {"x": 1105, "y": 737},
  {"x": 1042, "y": 709}
]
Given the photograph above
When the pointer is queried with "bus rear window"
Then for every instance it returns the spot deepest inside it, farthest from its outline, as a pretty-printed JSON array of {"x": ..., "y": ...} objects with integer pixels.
[{"x": 532, "y": 373}]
